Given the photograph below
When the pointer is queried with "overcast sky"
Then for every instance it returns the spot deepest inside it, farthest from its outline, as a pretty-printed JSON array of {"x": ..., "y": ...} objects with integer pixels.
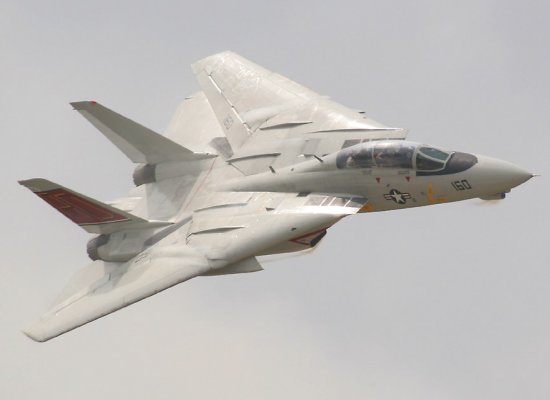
[{"x": 443, "y": 302}]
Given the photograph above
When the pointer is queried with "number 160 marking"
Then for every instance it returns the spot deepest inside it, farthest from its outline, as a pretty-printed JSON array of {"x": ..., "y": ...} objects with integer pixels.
[{"x": 461, "y": 185}]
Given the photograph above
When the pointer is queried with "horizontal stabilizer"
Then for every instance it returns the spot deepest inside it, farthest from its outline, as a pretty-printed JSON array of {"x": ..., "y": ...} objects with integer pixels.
[
  {"x": 91, "y": 215},
  {"x": 138, "y": 143}
]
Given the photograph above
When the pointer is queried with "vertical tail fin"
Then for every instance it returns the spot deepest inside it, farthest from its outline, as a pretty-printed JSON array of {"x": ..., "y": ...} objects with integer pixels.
[
  {"x": 91, "y": 215},
  {"x": 234, "y": 127}
]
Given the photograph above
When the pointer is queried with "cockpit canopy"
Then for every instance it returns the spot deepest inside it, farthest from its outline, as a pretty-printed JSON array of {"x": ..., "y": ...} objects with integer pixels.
[{"x": 393, "y": 154}]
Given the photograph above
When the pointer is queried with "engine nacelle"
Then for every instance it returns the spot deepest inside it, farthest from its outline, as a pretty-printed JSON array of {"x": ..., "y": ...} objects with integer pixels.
[
  {"x": 118, "y": 246},
  {"x": 149, "y": 173}
]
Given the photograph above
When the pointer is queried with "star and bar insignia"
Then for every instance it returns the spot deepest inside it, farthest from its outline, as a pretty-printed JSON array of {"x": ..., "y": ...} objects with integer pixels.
[{"x": 397, "y": 197}]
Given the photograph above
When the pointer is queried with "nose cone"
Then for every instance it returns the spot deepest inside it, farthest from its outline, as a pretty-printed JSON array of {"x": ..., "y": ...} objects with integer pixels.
[{"x": 500, "y": 175}]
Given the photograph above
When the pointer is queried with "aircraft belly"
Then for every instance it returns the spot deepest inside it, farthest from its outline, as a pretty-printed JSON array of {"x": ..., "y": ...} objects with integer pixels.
[{"x": 263, "y": 233}]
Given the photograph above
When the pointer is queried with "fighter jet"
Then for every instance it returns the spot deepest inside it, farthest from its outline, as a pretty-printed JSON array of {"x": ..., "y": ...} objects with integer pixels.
[{"x": 252, "y": 165}]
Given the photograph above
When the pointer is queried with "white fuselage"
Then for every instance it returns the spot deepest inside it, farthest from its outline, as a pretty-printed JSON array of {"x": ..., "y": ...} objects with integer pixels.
[{"x": 394, "y": 186}]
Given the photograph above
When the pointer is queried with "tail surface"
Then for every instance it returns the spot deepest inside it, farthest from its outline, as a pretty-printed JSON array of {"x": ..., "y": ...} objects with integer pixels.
[
  {"x": 138, "y": 143},
  {"x": 91, "y": 215},
  {"x": 213, "y": 84}
]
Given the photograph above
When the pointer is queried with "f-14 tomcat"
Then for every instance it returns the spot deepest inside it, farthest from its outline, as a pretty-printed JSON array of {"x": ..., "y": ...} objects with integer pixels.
[{"x": 254, "y": 164}]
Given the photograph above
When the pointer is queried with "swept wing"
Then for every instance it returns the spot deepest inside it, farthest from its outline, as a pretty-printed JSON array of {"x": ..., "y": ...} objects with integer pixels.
[
  {"x": 248, "y": 99},
  {"x": 199, "y": 247}
]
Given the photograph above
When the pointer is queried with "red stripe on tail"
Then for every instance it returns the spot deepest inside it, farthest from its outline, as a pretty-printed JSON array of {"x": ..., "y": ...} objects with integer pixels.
[{"x": 79, "y": 210}]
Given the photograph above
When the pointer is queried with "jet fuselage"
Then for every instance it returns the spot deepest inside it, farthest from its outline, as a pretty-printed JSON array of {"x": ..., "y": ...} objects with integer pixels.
[{"x": 393, "y": 174}]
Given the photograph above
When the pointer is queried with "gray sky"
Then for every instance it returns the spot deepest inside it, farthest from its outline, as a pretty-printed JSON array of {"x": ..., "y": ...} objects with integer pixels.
[{"x": 446, "y": 302}]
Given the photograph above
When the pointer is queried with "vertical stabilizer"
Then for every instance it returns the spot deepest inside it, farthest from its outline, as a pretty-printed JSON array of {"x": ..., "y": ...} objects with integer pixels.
[{"x": 212, "y": 83}]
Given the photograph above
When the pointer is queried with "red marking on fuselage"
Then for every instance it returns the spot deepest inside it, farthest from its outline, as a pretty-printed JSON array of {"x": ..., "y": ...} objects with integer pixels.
[
  {"x": 311, "y": 235},
  {"x": 408, "y": 178},
  {"x": 79, "y": 210}
]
